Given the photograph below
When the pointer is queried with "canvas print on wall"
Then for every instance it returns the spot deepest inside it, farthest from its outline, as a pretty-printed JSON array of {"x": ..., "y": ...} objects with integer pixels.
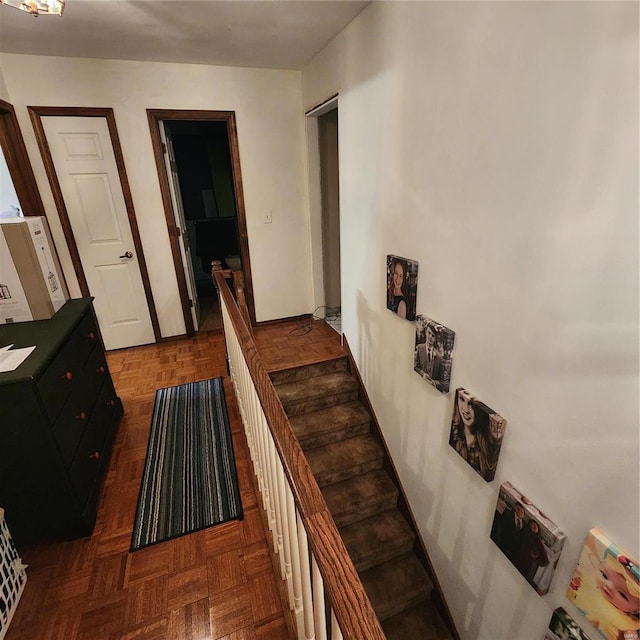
[
  {"x": 527, "y": 537},
  {"x": 564, "y": 627},
  {"x": 476, "y": 433},
  {"x": 402, "y": 284},
  {"x": 433, "y": 352},
  {"x": 606, "y": 588}
]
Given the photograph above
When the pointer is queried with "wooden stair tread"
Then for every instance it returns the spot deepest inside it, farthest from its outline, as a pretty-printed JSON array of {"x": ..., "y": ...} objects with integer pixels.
[
  {"x": 422, "y": 622},
  {"x": 396, "y": 585},
  {"x": 340, "y": 460},
  {"x": 295, "y": 374},
  {"x": 310, "y": 427},
  {"x": 316, "y": 387},
  {"x": 367, "y": 494},
  {"x": 377, "y": 539}
]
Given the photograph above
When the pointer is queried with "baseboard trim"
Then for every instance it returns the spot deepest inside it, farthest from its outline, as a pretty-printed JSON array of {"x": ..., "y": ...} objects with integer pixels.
[{"x": 266, "y": 323}]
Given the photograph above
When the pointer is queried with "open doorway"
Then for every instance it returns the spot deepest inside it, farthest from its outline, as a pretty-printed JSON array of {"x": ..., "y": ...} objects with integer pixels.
[
  {"x": 205, "y": 195},
  {"x": 322, "y": 124},
  {"x": 18, "y": 184},
  {"x": 199, "y": 169}
]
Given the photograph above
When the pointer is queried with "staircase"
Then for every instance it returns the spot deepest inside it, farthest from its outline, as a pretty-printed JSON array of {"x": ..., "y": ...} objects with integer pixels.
[{"x": 327, "y": 409}]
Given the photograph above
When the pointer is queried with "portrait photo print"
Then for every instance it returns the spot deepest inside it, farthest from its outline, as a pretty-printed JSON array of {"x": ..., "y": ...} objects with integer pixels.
[
  {"x": 527, "y": 537},
  {"x": 564, "y": 627},
  {"x": 606, "y": 587},
  {"x": 476, "y": 433},
  {"x": 402, "y": 285},
  {"x": 433, "y": 352}
]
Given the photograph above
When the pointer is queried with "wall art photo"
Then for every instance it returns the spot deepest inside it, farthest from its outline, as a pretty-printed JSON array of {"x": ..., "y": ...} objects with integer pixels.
[
  {"x": 527, "y": 537},
  {"x": 606, "y": 588},
  {"x": 476, "y": 433},
  {"x": 433, "y": 352},
  {"x": 402, "y": 285},
  {"x": 564, "y": 627}
]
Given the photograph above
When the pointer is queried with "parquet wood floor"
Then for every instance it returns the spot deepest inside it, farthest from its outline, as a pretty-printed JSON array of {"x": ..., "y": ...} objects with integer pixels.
[
  {"x": 289, "y": 344},
  {"x": 215, "y": 584}
]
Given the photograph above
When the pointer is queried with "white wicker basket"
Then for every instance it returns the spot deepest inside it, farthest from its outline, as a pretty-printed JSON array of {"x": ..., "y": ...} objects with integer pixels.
[{"x": 12, "y": 577}]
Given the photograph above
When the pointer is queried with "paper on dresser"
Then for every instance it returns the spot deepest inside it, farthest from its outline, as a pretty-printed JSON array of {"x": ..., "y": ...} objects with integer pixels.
[{"x": 10, "y": 359}]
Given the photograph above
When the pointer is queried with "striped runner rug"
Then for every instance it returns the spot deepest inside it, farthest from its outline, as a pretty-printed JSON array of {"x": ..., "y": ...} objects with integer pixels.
[{"x": 189, "y": 480}]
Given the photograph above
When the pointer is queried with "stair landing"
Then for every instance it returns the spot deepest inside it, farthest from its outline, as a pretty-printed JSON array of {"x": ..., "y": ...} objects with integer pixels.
[{"x": 295, "y": 343}]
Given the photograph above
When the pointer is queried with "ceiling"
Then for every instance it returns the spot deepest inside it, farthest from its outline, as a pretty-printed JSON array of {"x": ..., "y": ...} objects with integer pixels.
[{"x": 277, "y": 34}]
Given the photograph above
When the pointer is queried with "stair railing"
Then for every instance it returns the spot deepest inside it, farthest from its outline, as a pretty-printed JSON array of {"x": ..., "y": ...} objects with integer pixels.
[
  {"x": 238, "y": 288},
  {"x": 323, "y": 587}
]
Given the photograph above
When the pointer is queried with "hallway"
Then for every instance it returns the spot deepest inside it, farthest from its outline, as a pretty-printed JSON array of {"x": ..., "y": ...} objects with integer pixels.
[{"x": 214, "y": 584}]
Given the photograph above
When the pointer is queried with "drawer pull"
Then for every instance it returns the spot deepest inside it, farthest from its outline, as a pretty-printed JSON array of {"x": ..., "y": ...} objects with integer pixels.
[
  {"x": 100, "y": 370},
  {"x": 111, "y": 403},
  {"x": 91, "y": 336},
  {"x": 94, "y": 456},
  {"x": 81, "y": 416},
  {"x": 67, "y": 375}
]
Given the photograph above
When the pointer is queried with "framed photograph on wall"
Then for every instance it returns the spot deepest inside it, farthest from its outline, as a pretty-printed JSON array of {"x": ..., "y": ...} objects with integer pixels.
[
  {"x": 476, "y": 433},
  {"x": 527, "y": 537},
  {"x": 564, "y": 627},
  {"x": 402, "y": 285},
  {"x": 606, "y": 588},
  {"x": 433, "y": 352}
]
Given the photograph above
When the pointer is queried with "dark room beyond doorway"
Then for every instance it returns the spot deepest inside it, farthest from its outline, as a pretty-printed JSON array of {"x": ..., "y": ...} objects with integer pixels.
[{"x": 203, "y": 164}]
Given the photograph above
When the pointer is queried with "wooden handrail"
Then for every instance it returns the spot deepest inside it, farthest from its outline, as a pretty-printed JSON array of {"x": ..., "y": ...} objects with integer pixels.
[
  {"x": 343, "y": 587},
  {"x": 238, "y": 285}
]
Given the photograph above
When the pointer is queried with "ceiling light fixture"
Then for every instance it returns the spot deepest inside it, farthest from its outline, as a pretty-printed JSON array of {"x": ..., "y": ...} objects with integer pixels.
[{"x": 37, "y": 7}]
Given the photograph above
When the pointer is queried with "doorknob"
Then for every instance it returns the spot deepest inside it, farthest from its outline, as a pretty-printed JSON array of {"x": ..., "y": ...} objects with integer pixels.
[{"x": 127, "y": 254}]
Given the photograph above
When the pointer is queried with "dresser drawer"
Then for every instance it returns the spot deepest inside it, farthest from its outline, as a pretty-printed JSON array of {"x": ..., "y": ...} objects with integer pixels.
[
  {"x": 74, "y": 417},
  {"x": 57, "y": 382},
  {"x": 76, "y": 413},
  {"x": 96, "y": 370},
  {"x": 86, "y": 461},
  {"x": 85, "y": 337},
  {"x": 59, "y": 379}
]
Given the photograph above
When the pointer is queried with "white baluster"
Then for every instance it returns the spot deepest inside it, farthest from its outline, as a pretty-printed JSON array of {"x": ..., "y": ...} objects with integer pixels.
[
  {"x": 319, "y": 614},
  {"x": 307, "y": 595},
  {"x": 283, "y": 490},
  {"x": 292, "y": 522},
  {"x": 271, "y": 481},
  {"x": 264, "y": 476},
  {"x": 279, "y": 505},
  {"x": 336, "y": 633},
  {"x": 250, "y": 424}
]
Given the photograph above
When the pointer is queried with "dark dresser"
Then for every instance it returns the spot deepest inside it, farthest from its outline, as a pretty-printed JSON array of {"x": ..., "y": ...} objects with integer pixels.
[{"x": 58, "y": 416}]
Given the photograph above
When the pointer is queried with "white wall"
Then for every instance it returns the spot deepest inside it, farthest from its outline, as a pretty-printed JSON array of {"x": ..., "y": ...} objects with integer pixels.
[
  {"x": 497, "y": 144},
  {"x": 4, "y": 93},
  {"x": 9, "y": 203},
  {"x": 268, "y": 110}
]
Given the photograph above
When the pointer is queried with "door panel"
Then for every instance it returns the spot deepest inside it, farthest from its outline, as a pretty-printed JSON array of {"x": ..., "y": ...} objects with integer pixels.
[
  {"x": 87, "y": 172},
  {"x": 97, "y": 209},
  {"x": 184, "y": 240},
  {"x": 118, "y": 286}
]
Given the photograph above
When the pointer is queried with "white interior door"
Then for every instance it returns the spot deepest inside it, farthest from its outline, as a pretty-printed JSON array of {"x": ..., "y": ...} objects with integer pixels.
[
  {"x": 183, "y": 234},
  {"x": 85, "y": 164}
]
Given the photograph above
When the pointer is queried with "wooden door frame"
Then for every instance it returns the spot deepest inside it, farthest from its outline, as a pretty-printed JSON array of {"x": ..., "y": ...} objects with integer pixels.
[
  {"x": 36, "y": 114},
  {"x": 155, "y": 116},
  {"x": 17, "y": 159},
  {"x": 314, "y": 183}
]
